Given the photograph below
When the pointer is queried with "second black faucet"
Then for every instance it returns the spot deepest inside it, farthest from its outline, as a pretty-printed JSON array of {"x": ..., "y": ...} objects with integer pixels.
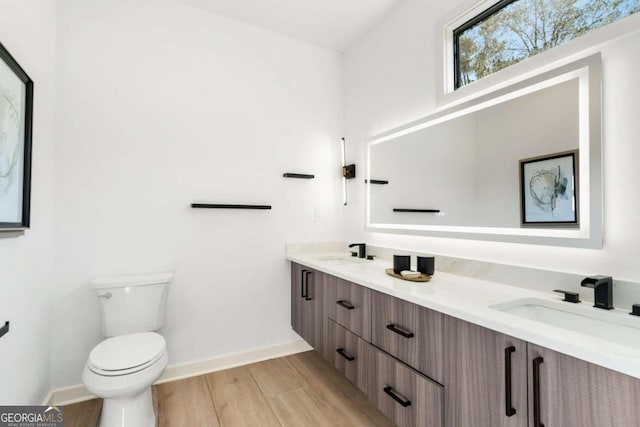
[{"x": 603, "y": 290}]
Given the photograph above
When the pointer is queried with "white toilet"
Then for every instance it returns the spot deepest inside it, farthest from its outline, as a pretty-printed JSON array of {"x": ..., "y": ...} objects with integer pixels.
[{"x": 122, "y": 368}]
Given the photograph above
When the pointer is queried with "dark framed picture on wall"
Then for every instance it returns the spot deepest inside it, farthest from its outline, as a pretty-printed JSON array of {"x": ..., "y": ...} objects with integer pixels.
[
  {"x": 549, "y": 190},
  {"x": 16, "y": 118}
]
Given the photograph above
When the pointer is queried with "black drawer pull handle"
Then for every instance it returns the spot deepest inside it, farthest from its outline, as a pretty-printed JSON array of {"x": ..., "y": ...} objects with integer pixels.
[
  {"x": 343, "y": 353},
  {"x": 400, "y": 331},
  {"x": 345, "y": 304},
  {"x": 536, "y": 391},
  {"x": 509, "y": 409},
  {"x": 400, "y": 399},
  {"x": 302, "y": 294},
  {"x": 306, "y": 292}
]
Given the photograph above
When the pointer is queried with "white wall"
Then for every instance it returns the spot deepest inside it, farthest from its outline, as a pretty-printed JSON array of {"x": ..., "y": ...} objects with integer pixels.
[
  {"x": 161, "y": 105},
  {"x": 27, "y": 30},
  {"x": 390, "y": 79}
]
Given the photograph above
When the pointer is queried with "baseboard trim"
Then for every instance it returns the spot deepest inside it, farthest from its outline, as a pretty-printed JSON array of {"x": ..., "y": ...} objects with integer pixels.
[
  {"x": 47, "y": 398},
  {"x": 78, "y": 393}
]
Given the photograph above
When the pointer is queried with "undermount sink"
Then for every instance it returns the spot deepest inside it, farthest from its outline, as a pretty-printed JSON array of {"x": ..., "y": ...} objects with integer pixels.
[
  {"x": 614, "y": 326},
  {"x": 338, "y": 260}
]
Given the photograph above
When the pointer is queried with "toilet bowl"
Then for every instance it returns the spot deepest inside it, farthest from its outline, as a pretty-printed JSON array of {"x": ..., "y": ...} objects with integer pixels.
[
  {"x": 121, "y": 371},
  {"x": 122, "y": 368}
]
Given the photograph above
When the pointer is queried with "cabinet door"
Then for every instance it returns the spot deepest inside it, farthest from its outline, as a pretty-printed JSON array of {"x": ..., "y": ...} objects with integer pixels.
[
  {"x": 349, "y": 305},
  {"x": 406, "y": 397},
  {"x": 485, "y": 377},
  {"x": 411, "y": 333},
  {"x": 312, "y": 319},
  {"x": 568, "y": 392},
  {"x": 297, "y": 297},
  {"x": 306, "y": 305},
  {"x": 350, "y": 355}
]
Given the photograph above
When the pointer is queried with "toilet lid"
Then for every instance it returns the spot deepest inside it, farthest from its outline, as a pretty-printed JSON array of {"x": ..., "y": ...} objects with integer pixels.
[{"x": 115, "y": 355}]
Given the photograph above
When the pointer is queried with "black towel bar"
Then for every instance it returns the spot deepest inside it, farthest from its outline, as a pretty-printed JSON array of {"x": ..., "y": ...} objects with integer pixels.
[
  {"x": 417, "y": 210},
  {"x": 298, "y": 175},
  {"x": 219, "y": 206}
]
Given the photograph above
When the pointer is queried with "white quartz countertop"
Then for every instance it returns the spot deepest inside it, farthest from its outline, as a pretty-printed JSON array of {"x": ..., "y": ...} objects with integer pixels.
[{"x": 471, "y": 299}]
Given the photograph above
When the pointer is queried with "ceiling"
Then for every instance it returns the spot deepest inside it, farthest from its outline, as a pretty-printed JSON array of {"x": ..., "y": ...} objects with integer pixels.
[{"x": 333, "y": 24}]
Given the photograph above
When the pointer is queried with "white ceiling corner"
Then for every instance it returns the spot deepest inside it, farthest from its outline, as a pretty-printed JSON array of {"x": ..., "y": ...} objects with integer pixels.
[{"x": 333, "y": 24}]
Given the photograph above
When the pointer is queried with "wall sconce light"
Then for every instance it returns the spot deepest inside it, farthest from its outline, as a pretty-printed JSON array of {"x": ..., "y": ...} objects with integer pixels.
[{"x": 348, "y": 171}]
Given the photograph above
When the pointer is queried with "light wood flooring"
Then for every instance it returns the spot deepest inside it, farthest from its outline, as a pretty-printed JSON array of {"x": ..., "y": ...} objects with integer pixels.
[{"x": 298, "y": 390}]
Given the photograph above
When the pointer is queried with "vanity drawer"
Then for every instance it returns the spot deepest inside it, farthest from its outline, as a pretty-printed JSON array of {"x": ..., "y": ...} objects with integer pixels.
[
  {"x": 410, "y": 333},
  {"x": 350, "y": 355},
  {"x": 405, "y": 396},
  {"x": 350, "y": 306}
]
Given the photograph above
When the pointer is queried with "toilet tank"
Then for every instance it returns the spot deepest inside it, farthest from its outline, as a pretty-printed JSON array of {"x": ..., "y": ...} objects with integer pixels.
[{"x": 131, "y": 304}]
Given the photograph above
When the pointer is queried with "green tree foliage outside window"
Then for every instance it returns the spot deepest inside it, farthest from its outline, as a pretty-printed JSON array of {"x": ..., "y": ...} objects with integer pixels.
[{"x": 524, "y": 28}]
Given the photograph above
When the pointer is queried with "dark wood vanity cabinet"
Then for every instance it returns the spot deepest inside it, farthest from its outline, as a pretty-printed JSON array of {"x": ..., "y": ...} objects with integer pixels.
[
  {"x": 574, "y": 393},
  {"x": 423, "y": 368},
  {"x": 485, "y": 377},
  {"x": 494, "y": 380},
  {"x": 349, "y": 305},
  {"x": 306, "y": 305},
  {"x": 297, "y": 294},
  {"x": 408, "y": 332},
  {"x": 350, "y": 317},
  {"x": 407, "y": 397},
  {"x": 351, "y": 355}
]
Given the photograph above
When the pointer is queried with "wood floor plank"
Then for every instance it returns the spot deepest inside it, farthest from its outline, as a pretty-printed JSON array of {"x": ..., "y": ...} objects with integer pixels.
[
  {"x": 296, "y": 408},
  {"x": 83, "y": 414},
  {"x": 238, "y": 400},
  {"x": 275, "y": 377},
  {"x": 186, "y": 403},
  {"x": 334, "y": 393}
]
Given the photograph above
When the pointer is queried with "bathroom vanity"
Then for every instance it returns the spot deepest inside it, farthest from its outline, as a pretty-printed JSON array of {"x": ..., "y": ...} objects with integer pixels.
[{"x": 454, "y": 351}]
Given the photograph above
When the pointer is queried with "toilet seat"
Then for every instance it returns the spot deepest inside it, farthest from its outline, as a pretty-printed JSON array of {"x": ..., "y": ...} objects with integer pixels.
[{"x": 126, "y": 354}]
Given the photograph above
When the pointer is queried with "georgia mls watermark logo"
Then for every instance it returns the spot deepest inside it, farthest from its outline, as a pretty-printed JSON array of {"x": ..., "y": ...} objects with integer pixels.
[{"x": 31, "y": 416}]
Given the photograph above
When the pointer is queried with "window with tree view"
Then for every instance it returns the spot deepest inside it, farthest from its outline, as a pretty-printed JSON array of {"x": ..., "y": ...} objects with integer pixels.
[{"x": 514, "y": 30}]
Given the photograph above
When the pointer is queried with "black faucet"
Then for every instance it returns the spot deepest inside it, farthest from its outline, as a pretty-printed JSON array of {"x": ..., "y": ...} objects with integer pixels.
[
  {"x": 362, "y": 249},
  {"x": 603, "y": 290}
]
